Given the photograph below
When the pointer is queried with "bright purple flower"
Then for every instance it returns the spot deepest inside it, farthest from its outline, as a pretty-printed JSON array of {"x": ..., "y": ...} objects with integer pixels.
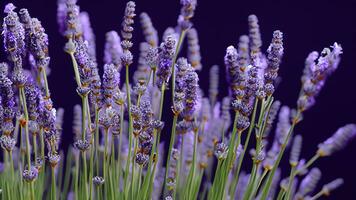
[{"x": 14, "y": 35}]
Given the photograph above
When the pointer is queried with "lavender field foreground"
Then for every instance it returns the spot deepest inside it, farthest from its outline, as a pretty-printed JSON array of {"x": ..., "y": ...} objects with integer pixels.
[{"x": 118, "y": 151}]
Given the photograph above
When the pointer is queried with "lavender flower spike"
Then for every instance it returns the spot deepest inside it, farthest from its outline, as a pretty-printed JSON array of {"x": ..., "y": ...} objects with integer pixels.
[
  {"x": 213, "y": 84},
  {"x": 275, "y": 53},
  {"x": 14, "y": 35},
  {"x": 165, "y": 61},
  {"x": 149, "y": 31},
  {"x": 194, "y": 56},
  {"x": 126, "y": 33},
  {"x": 309, "y": 183},
  {"x": 186, "y": 13},
  {"x": 296, "y": 149},
  {"x": 254, "y": 34},
  {"x": 111, "y": 79},
  {"x": 333, "y": 185},
  {"x": 338, "y": 141},
  {"x": 113, "y": 49}
]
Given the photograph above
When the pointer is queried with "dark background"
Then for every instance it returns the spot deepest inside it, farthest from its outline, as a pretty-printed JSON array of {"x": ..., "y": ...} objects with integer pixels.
[{"x": 307, "y": 26}]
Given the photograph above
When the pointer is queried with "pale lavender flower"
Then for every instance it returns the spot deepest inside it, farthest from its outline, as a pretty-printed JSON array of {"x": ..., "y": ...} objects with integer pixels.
[
  {"x": 186, "y": 13},
  {"x": 73, "y": 27},
  {"x": 213, "y": 84},
  {"x": 254, "y": 34},
  {"x": 243, "y": 52},
  {"x": 194, "y": 56},
  {"x": 88, "y": 34},
  {"x": 113, "y": 49},
  {"x": 143, "y": 70},
  {"x": 309, "y": 183},
  {"x": 150, "y": 33},
  {"x": 296, "y": 150},
  {"x": 338, "y": 141},
  {"x": 333, "y": 185}
]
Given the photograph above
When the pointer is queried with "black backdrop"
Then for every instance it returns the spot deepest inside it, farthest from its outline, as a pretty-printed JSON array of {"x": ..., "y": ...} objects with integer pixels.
[{"x": 307, "y": 26}]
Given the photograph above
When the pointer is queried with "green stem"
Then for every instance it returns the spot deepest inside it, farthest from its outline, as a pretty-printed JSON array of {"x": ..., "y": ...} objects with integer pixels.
[
  {"x": 126, "y": 184},
  {"x": 171, "y": 143},
  {"x": 53, "y": 184},
  {"x": 106, "y": 134},
  {"x": 45, "y": 82},
  {"x": 290, "y": 183},
  {"x": 308, "y": 164},
  {"x": 120, "y": 144},
  {"x": 267, "y": 186},
  {"x": 241, "y": 157},
  {"x": 317, "y": 196}
]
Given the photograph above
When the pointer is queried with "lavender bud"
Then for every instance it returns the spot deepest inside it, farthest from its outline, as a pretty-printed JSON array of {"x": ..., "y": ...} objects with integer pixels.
[
  {"x": 338, "y": 141},
  {"x": 53, "y": 159},
  {"x": 82, "y": 145},
  {"x": 30, "y": 175},
  {"x": 242, "y": 123},
  {"x": 142, "y": 159},
  {"x": 98, "y": 180},
  {"x": 7, "y": 142},
  {"x": 295, "y": 151},
  {"x": 221, "y": 151}
]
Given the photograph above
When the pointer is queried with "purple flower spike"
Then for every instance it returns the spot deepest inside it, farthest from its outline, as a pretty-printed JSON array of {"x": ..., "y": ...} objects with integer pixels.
[
  {"x": 165, "y": 61},
  {"x": 111, "y": 80},
  {"x": 14, "y": 35}
]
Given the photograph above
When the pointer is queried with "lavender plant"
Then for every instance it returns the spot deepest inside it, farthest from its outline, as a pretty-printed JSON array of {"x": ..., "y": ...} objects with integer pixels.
[{"x": 118, "y": 152}]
